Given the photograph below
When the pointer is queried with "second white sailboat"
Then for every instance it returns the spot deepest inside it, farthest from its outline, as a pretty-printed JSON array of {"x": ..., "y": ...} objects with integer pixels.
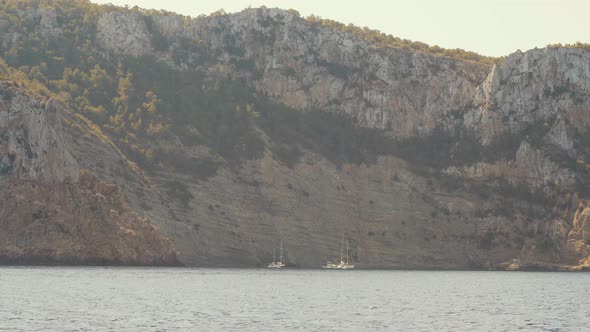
[
  {"x": 344, "y": 264},
  {"x": 280, "y": 263}
]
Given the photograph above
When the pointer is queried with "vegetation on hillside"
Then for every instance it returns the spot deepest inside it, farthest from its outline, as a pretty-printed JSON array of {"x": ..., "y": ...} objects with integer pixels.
[
  {"x": 385, "y": 40},
  {"x": 146, "y": 106},
  {"x": 156, "y": 114},
  {"x": 142, "y": 105},
  {"x": 191, "y": 122},
  {"x": 578, "y": 45}
]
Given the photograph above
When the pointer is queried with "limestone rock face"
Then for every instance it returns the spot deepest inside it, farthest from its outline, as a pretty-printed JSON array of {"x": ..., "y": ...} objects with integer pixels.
[
  {"x": 33, "y": 144},
  {"x": 316, "y": 67},
  {"x": 54, "y": 213},
  {"x": 543, "y": 85},
  {"x": 486, "y": 167},
  {"x": 48, "y": 23},
  {"x": 523, "y": 120},
  {"x": 124, "y": 33}
]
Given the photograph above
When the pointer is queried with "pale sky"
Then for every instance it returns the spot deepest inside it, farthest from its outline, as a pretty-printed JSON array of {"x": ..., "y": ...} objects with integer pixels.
[{"x": 489, "y": 27}]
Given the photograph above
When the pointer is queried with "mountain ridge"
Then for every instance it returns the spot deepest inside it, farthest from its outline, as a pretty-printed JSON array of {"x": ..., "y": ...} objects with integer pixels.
[{"x": 231, "y": 132}]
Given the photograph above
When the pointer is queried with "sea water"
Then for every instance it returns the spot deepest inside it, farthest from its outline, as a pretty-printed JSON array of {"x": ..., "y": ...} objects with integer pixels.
[{"x": 184, "y": 299}]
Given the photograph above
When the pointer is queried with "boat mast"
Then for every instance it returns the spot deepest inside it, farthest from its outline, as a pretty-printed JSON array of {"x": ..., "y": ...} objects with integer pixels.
[
  {"x": 282, "y": 257},
  {"x": 273, "y": 255},
  {"x": 346, "y": 251},
  {"x": 342, "y": 247}
]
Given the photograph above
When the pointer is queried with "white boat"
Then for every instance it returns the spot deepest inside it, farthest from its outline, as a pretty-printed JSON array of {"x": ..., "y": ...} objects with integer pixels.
[
  {"x": 330, "y": 265},
  {"x": 280, "y": 263},
  {"x": 344, "y": 264}
]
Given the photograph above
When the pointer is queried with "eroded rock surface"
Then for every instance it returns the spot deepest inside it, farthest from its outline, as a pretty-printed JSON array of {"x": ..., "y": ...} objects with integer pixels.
[
  {"x": 54, "y": 213},
  {"x": 487, "y": 167}
]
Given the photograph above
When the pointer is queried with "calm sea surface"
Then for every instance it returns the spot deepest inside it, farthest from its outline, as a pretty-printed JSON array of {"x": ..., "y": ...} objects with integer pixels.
[{"x": 169, "y": 299}]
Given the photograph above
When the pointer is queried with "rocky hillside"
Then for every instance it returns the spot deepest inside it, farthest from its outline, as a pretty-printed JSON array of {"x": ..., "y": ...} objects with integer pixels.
[
  {"x": 54, "y": 212},
  {"x": 233, "y": 132}
]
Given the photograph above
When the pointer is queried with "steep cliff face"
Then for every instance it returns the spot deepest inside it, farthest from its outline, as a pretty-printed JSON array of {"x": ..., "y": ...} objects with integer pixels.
[
  {"x": 422, "y": 161},
  {"x": 539, "y": 100},
  {"x": 54, "y": 212},
  {"x": 309, "y": 66}
]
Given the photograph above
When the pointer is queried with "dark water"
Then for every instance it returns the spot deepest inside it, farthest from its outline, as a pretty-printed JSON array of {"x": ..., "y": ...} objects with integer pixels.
[{"x": 147, "y": 299}]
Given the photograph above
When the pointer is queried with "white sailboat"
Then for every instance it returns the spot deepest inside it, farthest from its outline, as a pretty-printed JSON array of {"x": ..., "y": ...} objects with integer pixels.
[
  {"x": 280, "y": 263},
  {"x": 344, "y": 264}
]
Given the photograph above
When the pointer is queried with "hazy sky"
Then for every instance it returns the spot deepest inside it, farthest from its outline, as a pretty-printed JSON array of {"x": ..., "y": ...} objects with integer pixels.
[{"x": 491, "y": 27}]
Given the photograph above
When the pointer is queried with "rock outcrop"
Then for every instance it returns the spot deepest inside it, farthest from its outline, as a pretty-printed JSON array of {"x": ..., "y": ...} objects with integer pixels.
[
  {"x": 579, "y": 237},
  {"x": 52, "y": 212}
]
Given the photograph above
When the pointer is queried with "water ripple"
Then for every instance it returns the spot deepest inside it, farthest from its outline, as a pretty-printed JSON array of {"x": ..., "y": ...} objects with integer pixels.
[{"x": 146, "y": 299}]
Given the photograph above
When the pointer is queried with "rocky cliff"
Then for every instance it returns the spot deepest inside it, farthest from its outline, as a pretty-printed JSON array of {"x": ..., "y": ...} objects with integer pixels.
[
  {"x": 282, "y": 128},
  {"x": 52, "y": 211}
]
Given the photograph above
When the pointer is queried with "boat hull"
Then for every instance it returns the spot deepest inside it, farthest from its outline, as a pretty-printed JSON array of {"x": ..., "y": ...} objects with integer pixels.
[{"x": 276, "y": 265}]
